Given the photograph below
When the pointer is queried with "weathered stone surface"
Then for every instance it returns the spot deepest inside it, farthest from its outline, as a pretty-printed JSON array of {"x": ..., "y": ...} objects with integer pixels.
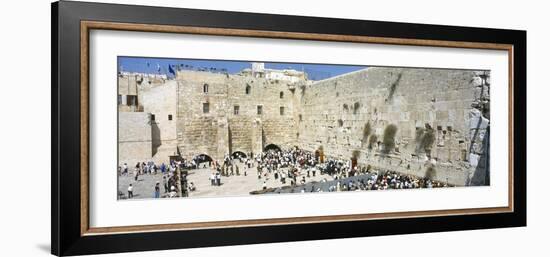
[
  {"x": 134, "y": 137},
  {"x": 332, "y": 114}
]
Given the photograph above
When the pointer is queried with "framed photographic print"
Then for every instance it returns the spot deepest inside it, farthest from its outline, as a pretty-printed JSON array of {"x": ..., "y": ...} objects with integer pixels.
[{"x": 178, "y": 128}]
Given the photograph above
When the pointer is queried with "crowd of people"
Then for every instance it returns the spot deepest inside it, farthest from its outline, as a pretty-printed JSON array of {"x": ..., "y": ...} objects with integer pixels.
[
  {"x": 169, "y": 178},
  {"x": 300, "y": 166},
  {"x": 371, "y": 180},
  {"x": 294, "y": 170}
]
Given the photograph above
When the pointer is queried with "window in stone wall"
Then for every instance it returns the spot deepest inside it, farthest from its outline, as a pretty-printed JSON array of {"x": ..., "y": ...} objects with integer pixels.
[
  {"x": 169, "y": 116},
  {"x": 152, "y": 117},
  {"x": 205, "y": 88},
  {"x": 281, "y": 95},
  {"x": 131, "y": 100},
  {"x": 282, "y": 110},
  {"x": 236, "y": 110},
  {"x": 247, "y": 89},
  {"x": 205, "y": 107},
  {"x": 260, "y": 109}
]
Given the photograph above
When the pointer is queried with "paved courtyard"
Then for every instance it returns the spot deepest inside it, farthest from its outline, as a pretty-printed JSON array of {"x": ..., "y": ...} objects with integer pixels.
[{"x": 234, "y": 185}]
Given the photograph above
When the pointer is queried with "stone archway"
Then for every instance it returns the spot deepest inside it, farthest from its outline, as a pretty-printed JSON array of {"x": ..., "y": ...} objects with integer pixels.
[
  {"x": 272, "y": 147},
  {"x": 238, "y": 154},
  {"x": 203, "y": 160},
  {"x": 319, "y": 155}
]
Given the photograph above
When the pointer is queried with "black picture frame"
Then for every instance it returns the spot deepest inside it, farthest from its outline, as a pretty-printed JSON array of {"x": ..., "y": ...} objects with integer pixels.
[{"x": 66, "y": 235}]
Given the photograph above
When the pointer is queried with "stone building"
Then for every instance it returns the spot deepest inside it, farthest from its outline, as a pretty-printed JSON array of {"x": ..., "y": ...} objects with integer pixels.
[
  {"x": 141, "y": 117},
  {"x": 424, "y": 122},
  {"x": 134, "y": 137}
]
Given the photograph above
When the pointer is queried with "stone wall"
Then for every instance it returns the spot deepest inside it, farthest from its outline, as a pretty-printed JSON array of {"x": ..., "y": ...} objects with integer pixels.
[
  {"x": 161, "y": 101},
  {"x": 415, "y": 121},
  {"x": 133, "y": 84},
  {"x": 233, "y": 102},
  {"x": 134, "y": 138},
  {"x": 351, "y": 113}
]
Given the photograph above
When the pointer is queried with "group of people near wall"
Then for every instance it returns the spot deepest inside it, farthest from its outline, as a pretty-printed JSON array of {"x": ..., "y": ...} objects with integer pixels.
[
  {"x": 371, "y": 180},
  {"x": 294, "y": 168},
  {"x": 149, "y": 167},
  {"x": 299, "y": 166},
  {"x": 169, "y": 178}
]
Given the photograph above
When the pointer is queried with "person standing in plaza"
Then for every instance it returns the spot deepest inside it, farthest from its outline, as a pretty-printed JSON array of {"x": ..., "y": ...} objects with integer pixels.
[
  {"x": 218, "y": 179},
  {"x": 130, "y": 191},
  {"x": 259, "y": 169},
  {"x": 136, "y": 173},
  {"x": 165, "y": 183},
  {"x": 157, "y": 190},
  {"x": 212, "y": 179}
]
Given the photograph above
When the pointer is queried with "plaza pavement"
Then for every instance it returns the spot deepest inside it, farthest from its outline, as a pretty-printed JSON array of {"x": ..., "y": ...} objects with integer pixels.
[{"x": 234, "y": 185}]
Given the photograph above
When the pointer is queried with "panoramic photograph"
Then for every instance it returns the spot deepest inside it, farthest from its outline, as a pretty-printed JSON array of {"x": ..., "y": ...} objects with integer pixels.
[{"x": 217, "y": 128}]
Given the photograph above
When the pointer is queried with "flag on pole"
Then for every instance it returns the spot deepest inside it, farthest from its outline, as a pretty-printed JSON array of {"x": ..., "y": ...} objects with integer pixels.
[{"x": 171, "y": 70}]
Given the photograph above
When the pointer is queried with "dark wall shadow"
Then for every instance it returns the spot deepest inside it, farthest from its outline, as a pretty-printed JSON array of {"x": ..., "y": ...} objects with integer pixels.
[
  {"x": 155, "y": 135},
  {"x": 230, "y": 139}
]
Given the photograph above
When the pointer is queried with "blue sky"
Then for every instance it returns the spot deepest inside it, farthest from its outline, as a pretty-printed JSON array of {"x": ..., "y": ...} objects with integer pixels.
[{"x": 150, "y": 65}]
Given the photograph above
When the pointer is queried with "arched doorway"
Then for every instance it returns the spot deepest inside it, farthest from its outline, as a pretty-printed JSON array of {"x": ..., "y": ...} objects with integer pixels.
[
  {"x": 238, "y": 154},
  {"x": 202, "y": 161},
  {"x": 319, "y": 156},
  {"x": 273, "y": 147}
]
